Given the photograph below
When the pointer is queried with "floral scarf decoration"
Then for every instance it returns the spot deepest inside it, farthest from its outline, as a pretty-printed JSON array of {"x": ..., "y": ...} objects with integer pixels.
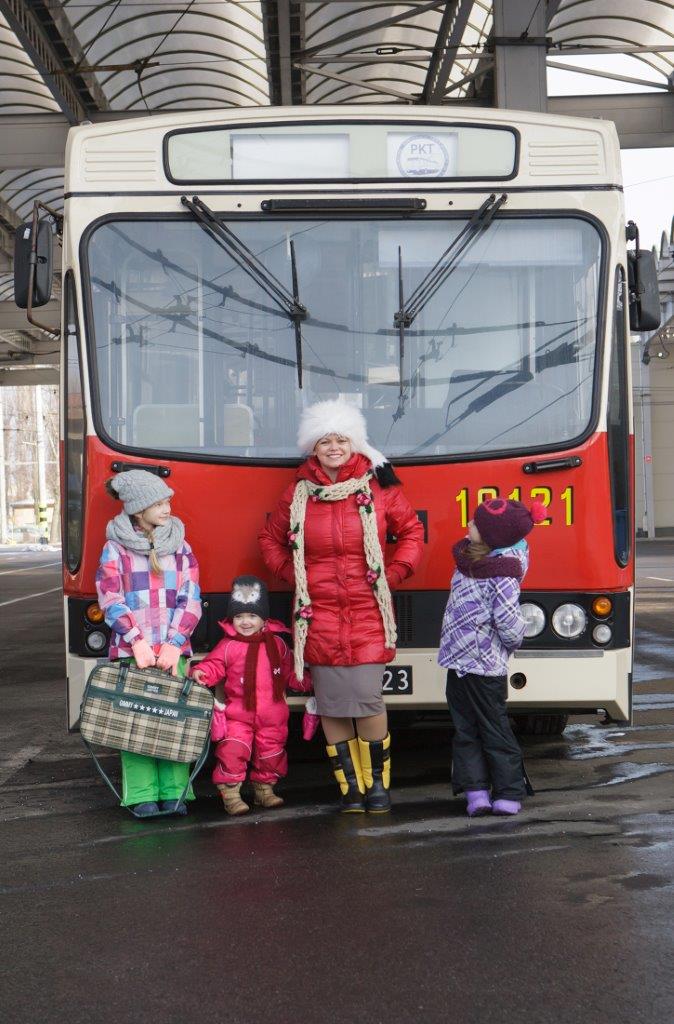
[{"x": 374, "y": 557}]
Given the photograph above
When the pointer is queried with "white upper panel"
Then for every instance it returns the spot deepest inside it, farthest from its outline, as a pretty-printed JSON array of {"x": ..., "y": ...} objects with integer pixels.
[{"x": 129, "y": 155}]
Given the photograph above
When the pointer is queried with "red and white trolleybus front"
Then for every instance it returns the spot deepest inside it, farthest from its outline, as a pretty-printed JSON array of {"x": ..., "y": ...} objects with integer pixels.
[{"x": 461, "y": 279}]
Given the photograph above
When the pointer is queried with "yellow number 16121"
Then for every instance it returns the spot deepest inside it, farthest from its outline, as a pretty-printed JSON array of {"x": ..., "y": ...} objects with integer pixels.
[{"x": 543, "y": 494}]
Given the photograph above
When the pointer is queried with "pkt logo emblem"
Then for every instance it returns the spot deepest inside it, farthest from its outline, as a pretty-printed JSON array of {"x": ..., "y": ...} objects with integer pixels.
[{"x": 422, "y": 156}]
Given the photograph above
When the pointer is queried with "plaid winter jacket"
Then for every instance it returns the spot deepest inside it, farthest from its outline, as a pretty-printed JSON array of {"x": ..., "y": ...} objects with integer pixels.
[
  {"x": 137, "y": 603},
  {"x": 483, "y": 624}
]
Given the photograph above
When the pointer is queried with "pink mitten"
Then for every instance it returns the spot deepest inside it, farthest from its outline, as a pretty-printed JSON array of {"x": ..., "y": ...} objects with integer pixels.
[
  {"x": 303, "y": 685},
  {"x": 168, "y": 658},
  {"x": 218, "y": 722},
  {"x": 311, "y": 719},
  {"x": 143, "y": 654}
]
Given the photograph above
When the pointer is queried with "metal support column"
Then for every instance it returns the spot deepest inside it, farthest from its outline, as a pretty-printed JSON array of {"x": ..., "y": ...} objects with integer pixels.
[
  {"x": 520, "y": 48},
  {"x": 3, "y": 478},
  {"x": 41, "y": 466},
  {"x": 641, "y": 386}
]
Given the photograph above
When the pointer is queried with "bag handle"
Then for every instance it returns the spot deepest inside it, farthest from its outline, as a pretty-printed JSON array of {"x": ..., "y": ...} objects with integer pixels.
[
  {"x": 121, "y": 678},
  {"x": 160, "y": 814},
  {"x": 187, "y": 685},
  {"x": 124, "y": 666}
]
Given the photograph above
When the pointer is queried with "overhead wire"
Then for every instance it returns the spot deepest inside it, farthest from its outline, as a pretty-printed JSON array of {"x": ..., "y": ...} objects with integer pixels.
[{"x": 105, "y": 24}]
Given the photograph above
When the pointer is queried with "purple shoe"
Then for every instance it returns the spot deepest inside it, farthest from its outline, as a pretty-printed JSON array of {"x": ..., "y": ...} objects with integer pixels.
[
  {"x": 477, "y": 802},
  {"x": 504, "y": 807}
]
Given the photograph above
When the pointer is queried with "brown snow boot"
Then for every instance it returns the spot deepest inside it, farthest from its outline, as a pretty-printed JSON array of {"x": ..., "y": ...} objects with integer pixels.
[
  {"x": 231, "y": 798},
  {"x": 265, "y": 795}
]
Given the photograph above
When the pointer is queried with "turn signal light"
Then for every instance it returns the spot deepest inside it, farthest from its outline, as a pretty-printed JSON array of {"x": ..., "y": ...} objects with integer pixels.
[
  {"x": 94, "y": 613},
  {"x": 602, "y": 606}
]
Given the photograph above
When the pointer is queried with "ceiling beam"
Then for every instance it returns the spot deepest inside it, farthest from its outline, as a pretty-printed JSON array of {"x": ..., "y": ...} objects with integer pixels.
[
  {"x": 11, "y": 378},
  {"x": 483, "y": 68},
  {"x": 644, "y": 120},
  {"x": 37, "y": 45},
  {"x": 14, "y": 319},
  {"x": 9, "y": 218},
  {"x": 57, "y": 25},
  {"x": 576, "y": 69},
  {"x": 345, "y": 37},
  {"x": 6, "y": 249},
  {"x": 551, "y": 8},
  {"x": 35, "y": 141},
  {"x": 284, "y": 52},
  {"x": 573, "y": 50},
  {"x": 448, "y": 43},
  {"x": 32, "y": 143},
  {"x": 283, "y": 25},
  {"x": 339, "y": 76}
]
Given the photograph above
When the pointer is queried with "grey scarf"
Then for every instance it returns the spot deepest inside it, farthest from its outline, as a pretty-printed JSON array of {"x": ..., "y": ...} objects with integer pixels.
[{"x": 166, "y": 539}]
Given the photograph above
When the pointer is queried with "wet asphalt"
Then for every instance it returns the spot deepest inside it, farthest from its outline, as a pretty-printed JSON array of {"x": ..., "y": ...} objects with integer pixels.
[{"x": 563, "y": 914}]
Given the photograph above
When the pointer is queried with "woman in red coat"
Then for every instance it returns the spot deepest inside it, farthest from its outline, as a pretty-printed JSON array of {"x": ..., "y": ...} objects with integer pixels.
[{"x": 326, "y": 538}]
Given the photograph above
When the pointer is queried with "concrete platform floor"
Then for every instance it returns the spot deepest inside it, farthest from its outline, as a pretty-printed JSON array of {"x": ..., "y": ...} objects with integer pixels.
[{"x": 561, "y": 915}]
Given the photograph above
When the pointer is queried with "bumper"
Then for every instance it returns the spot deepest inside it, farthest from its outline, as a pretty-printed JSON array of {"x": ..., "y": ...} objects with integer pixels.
[{"x": 575, "y": 681}]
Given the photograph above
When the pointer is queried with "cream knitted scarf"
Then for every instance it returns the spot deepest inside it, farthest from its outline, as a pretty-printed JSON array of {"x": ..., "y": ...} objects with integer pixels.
[{"x": 376, "y": 576}]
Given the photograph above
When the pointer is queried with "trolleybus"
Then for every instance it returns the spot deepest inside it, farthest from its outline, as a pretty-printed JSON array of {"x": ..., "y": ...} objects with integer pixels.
[{"x": 461, "y": 276}]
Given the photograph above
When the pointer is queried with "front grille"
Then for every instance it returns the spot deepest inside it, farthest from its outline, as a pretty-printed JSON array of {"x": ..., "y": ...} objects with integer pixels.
[{"x": 404, "y": 611}]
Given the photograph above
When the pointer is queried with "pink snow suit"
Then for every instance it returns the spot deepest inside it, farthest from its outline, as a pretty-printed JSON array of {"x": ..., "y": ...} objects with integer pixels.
[{"x": 258, "y": 736}]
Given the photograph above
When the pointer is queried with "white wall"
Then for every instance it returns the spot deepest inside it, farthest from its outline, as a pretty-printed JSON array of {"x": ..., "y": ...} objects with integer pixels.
[{"x": 653, "y": 391}]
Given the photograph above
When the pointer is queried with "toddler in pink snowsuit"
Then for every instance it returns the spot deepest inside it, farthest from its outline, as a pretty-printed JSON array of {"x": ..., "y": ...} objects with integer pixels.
[{"x": 255, "y": 666}]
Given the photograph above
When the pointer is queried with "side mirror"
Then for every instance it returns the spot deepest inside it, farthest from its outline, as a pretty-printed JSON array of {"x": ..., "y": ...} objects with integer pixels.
[
  {"x": 33, "y": 250},
  {"x": 644, "y": 293}
]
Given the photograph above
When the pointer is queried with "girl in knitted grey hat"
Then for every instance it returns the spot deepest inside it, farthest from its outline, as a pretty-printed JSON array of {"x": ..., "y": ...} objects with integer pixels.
[{"x": 148, "y": 588}]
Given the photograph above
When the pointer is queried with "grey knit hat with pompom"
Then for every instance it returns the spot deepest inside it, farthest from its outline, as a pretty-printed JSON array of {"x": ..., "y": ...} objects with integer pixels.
[{"x": 139, "y": 489}]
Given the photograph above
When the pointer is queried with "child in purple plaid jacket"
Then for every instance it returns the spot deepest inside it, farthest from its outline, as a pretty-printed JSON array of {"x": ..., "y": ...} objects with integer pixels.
[
  {"x": 482, "y": 625},
  {"x": 148, "y": 588}
]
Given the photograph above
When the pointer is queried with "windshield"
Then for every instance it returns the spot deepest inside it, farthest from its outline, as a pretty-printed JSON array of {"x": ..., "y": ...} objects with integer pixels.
[{"x": 192, "y": 356}]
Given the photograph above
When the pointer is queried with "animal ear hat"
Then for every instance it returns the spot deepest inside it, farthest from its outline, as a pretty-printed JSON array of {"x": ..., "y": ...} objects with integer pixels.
[
  {"x": 249, "y": 595},
  {"x": 338, "y": 417}
]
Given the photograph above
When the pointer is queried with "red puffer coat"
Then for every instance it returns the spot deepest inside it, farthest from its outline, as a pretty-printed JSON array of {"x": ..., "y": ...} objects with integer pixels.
[{"x": 346, "y": 628}]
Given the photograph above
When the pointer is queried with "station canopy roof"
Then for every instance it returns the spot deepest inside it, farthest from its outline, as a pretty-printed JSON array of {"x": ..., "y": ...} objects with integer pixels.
[{"x": 88, "y": 59}]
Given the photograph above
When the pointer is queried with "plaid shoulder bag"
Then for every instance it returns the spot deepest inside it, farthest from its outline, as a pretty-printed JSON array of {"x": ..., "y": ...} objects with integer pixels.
[{"x": 146, "y": 711}]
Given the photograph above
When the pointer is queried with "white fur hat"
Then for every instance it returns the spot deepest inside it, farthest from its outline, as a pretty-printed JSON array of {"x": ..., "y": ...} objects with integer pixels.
[{"x": 337, "y": 417}]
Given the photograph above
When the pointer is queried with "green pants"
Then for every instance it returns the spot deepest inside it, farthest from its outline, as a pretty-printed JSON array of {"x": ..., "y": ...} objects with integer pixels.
[{"x": 151, "y": 779}]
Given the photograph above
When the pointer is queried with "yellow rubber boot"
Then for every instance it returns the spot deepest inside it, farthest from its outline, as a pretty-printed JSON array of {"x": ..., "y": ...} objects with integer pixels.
[
  {"x": 375, "y": 757},
  {"x": 345, "y": 760}
]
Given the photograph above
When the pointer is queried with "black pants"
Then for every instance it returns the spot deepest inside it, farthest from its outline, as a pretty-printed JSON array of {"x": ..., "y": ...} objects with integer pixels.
[{"x": 485, "y": 753}]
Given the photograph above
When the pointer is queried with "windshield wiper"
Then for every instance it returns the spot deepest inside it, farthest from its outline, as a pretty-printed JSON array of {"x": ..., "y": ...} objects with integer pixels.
[
  {"x": 440, "y": 271},
  {"x": 251, "y": 265}
]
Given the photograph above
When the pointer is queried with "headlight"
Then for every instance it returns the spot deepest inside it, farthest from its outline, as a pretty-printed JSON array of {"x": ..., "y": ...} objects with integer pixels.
[
  {"x": 601, "y": 634},
  {"x": 569, "y": 621},
  {"x": 96, "y": 640},
  {"x": 534, "y": 617}
]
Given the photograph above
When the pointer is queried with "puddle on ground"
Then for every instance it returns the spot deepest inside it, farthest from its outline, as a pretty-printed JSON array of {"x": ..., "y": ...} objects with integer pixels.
[
  {"x": 629, "y": 772},
  {"x": 587, "y": 742}
]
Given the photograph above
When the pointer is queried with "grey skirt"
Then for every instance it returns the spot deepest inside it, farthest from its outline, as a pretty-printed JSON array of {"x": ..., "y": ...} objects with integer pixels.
[{"x": 348, "y": 691}]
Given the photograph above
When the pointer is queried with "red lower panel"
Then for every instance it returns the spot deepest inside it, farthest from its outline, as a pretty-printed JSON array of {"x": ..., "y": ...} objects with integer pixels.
[{"x": 223, "y": 508}]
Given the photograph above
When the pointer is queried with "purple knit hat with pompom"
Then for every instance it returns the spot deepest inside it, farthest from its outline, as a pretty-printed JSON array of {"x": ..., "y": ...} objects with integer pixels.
[{"x": 502, "y": 523}]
